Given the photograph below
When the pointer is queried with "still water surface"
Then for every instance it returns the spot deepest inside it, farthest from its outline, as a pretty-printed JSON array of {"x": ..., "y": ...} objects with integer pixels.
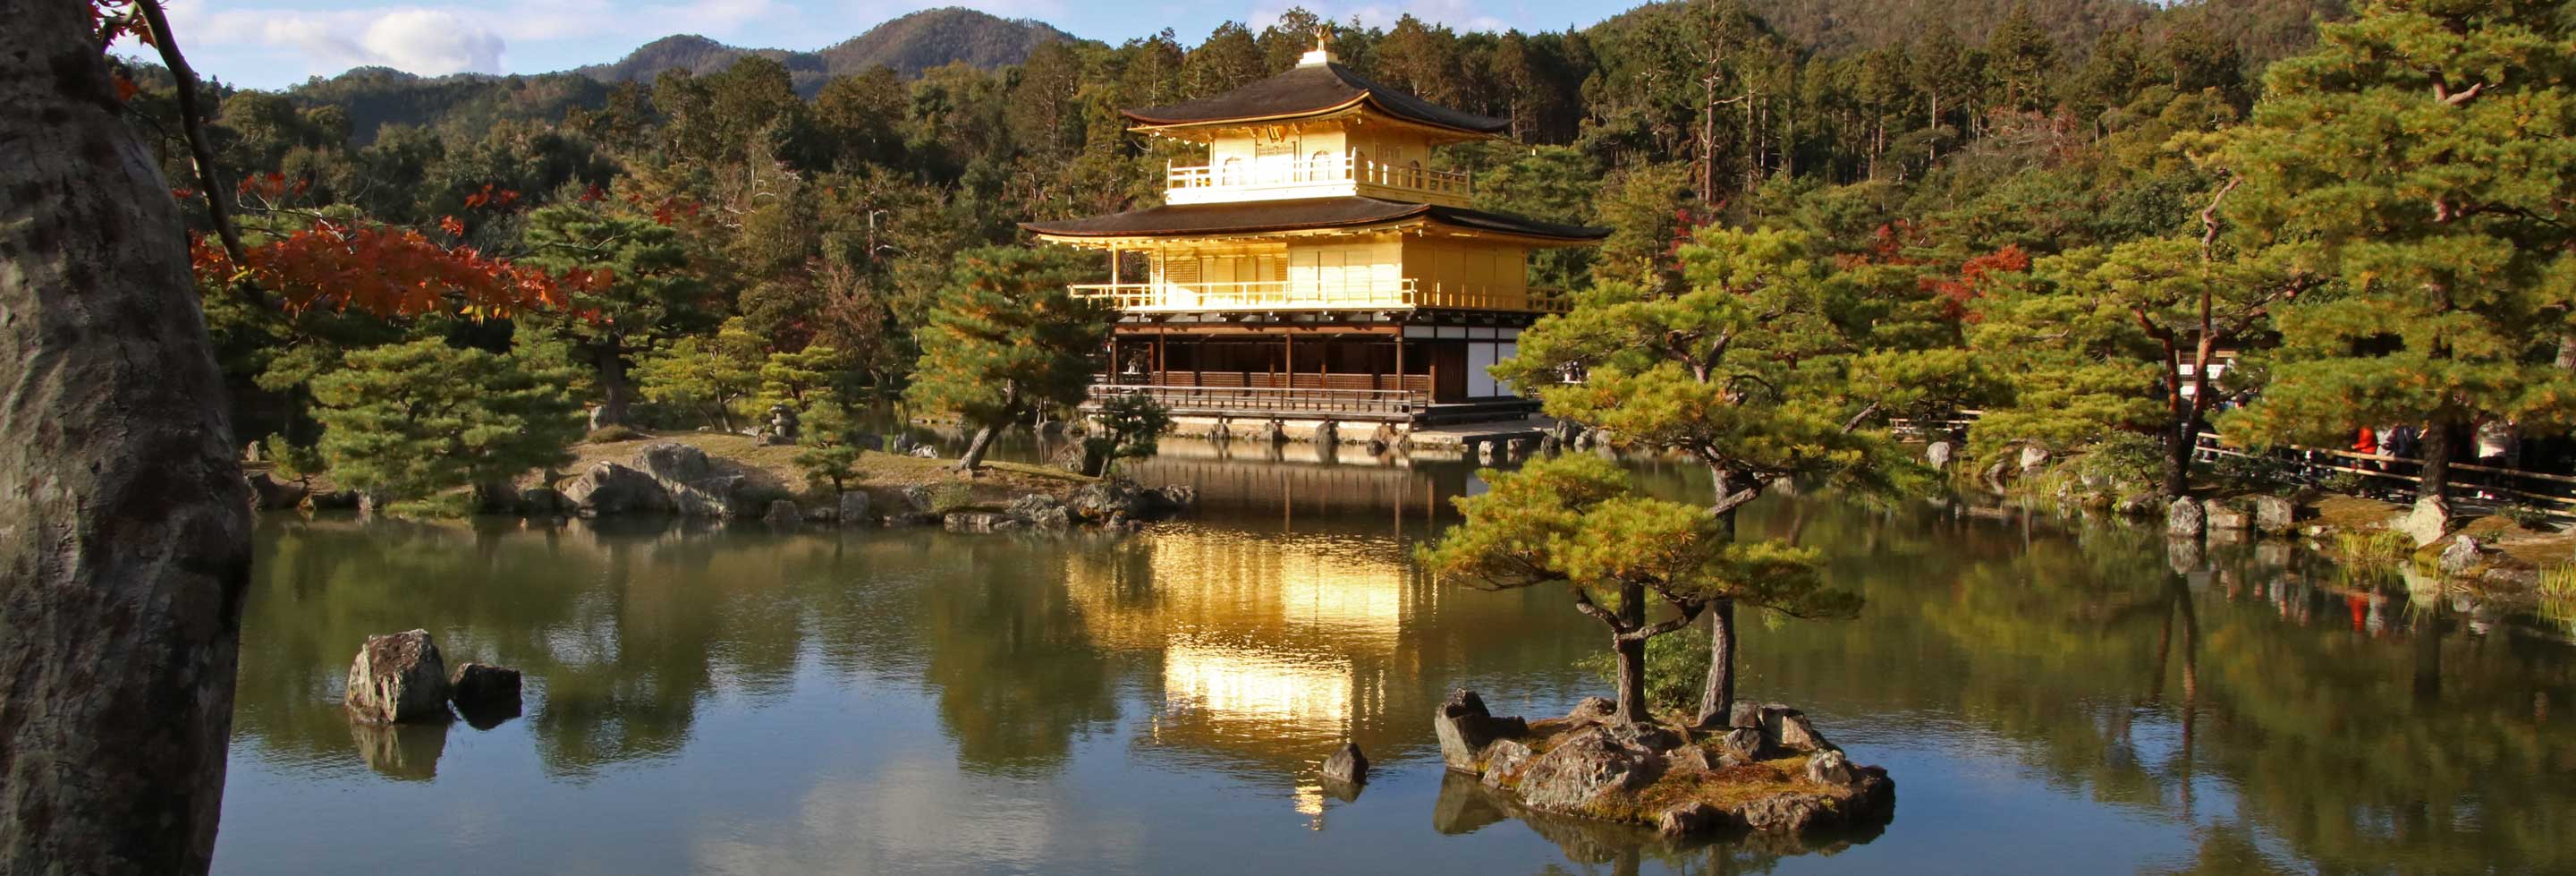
[{"x": 2050, "y": 697}]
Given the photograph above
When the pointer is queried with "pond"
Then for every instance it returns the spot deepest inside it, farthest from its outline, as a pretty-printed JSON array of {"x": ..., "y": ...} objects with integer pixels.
[{"x": 2049, "y": 695}]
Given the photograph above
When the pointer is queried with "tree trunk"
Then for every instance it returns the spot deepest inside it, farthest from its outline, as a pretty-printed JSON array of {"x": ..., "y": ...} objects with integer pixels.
[
  {"x": 2436, "y": 472},
  {"x": 1632, "y": 654},
  {"x": 1718, "y": 697},
  {"x": 2178, "y": 446},
  {"x": 124, "y": 521},
  {"x": 974, "y": 456},
  {"x": 616, "y": 393}
]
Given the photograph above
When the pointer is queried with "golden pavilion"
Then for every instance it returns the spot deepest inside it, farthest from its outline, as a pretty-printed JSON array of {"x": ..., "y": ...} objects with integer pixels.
[{"x": 1314, "y": 269}]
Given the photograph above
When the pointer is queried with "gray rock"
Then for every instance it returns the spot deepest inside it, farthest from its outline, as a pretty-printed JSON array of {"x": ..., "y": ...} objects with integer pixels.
[
  {"x": 609, "y": 488},
  {"x": 914, "y": 518},
  {"x": 1937, "y": 455},
  {"x": 2186, "y": 518},
  {"x": 979, "y": 521},
  {"x": 269, "y": 494},
  {"x": 1171, "y": 498},
  {"x": 711, "y": 496},
  {"x": 1781, "y": 813},
  {"x": 1105, "y": 500},
  {"x": 1347, "y": 764},
  {"x": 1037, "y": 508},
  {"x": 1831, "y": 768},
  {"x": 1587, "y": 767},
  {"x": 2274, "y": 515},
  {"x": 1328, "y": 432},
  {"x": 926, "y": 452},
  {"x": 2463, "y": 554},
  {"x": 1742, "y": 742},
  {"x": 674, "y": 462},
  {"x": 2032, "y": 458},
  {"x": 1465, "y": 728},
  {"x": 1789, "y": 729},
  {"x": 1505, "y": 760},
  {"x": 1687, "y": 757},
  {"x": 2427, "y": 523},
  {"x": 1592, "y": 709},
  {"x": 398, "y": 678},
  {"x": 2138, "y": 504},
  {"x": 2221, "y": 517},
  {"x": 1643, "y": 736},
  {"x": 919, "y": 498},
  {"x": 483, "y": 686},
  {"x": 783, "y": 512},
  {"x": 1745, "y": 714},
  {"x": 1689, "y": 819}
]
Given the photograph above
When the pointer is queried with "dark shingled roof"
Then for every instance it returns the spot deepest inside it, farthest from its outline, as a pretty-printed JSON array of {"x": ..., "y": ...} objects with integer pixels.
[
  {"x": 1310, "y": 90},
  {"x": 1249, "y": 217}
]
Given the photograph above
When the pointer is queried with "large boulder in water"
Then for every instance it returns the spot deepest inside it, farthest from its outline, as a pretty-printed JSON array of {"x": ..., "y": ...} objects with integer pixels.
[
  {"x": 608, "y": 489},
  {"x": 1347, "y": 765},
  {"x": 398, "y": 678},
  {"x": 1105, "y": 500},
  {"x": 696, "y": 488},
  {"x": 485, "y": 694},
  {"x": 2274, "y": 515},
  {"x": 855, "y": 508},
  {"x": 2185, "y": 518},
  {"x": 1465, "y": 728},
  {"x": 1590, "y": 765}
]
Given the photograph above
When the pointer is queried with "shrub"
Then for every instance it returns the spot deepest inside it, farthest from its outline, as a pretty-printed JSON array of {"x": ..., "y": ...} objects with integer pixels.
[
  {"x": 2525, "y": 515},
  {"x": 1676, "y": 667}
]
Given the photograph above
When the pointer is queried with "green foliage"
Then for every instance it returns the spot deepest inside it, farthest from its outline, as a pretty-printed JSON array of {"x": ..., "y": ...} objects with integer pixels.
[
  {"x": 1009, "y": 337},
  {"x": 2526, "y": 515},
  {"x": 802, "y": 379},
  {"x": 827, "y": 453},
  {"x": 411, "y": 420},
  {"x": 2419, "y": 157},
  {"x": 291, "y": 461},
  {"x": 951, "y": 497},
  {"x": 709, "y": 375},
  {"x": 1129, "y": 426},
  {"x": 611, "y": 433}
]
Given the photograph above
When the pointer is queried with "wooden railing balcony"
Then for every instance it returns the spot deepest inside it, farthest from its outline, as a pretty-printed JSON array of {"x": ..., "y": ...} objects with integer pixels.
[
  {"x": 1310, "y": 177},
  {"x": 1257, "y": 400},
  {"x": 1406, "y": 293}
]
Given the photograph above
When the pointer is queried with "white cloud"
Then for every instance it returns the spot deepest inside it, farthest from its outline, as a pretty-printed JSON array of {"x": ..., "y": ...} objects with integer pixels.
[{"x": 430, "y": 42}]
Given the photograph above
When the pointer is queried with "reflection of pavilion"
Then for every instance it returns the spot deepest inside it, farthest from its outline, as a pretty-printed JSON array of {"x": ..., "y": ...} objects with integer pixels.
[
  {"x": 1300, "y": 488},
  {"x": 1272, "y": 649}
]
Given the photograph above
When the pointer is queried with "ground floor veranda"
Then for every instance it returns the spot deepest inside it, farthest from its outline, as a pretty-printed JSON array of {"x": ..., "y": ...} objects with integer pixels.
[{"x": 1403, "y": 373}]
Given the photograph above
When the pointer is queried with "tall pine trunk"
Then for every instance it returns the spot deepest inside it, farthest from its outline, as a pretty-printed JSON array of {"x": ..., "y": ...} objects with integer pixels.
[
  {"x": 616, "y": 393},
  {"x": 124, "y": 525},
  {"x": 2177, "y": 467},
  {"x": 1632, "y": 654},
  {"x": 1717, "y": 699},
  {"x": 974, "y": 456},
  {"x": 2436, "y": 473}
]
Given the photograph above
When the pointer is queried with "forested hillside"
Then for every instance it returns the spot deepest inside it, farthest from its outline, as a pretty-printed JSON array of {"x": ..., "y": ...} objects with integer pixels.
[
  {"x": 753, "y": 226},
  {"x": 907, "y": 45}
]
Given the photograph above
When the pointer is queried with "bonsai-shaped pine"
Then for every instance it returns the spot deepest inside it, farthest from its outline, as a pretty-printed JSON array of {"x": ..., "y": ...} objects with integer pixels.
[
  {"x": 292, "y": 462},
  {"x": 2421, "y": 156},
  {"x": 1577, "y": 521},
  {"x": 406, "y": 421},
  {"x": 1128, "y": 426},
  {"x": 1009, "y": 336},
  {"x": 1765, "y": 366},
  {"x": 799, "y": 379},
  {"x": 709, "y": 374},
  {"x": 828, "y": 454},
  {"x": 641, "y": 288}
]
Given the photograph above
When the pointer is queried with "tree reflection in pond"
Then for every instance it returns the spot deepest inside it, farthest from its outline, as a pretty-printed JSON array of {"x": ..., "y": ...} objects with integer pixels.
[{"x": 742, "y": 700}]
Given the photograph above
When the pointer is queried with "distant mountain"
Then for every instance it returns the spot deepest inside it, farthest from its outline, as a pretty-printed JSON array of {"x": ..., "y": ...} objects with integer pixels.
[{"x": 910, "y": 44}]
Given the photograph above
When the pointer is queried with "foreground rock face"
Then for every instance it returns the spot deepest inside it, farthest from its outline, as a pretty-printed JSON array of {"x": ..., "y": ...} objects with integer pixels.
[
  {"x": 398, "y": 679},
  {"x": 1772, "y": 771}
]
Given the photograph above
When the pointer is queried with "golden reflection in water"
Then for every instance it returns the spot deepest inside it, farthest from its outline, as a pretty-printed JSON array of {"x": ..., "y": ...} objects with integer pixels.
[{"x": 1234, "y": 684}]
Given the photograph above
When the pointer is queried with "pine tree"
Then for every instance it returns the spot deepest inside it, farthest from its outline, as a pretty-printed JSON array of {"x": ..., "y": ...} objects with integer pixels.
[
  {"x": 2423, "y": 157},
  {"x": 828, "y": 453},
  {"x": 1009, "y": 338},
  {"x": 709, "y": 374},
  {"x": 1745, "y": 370},
  {"x": 2022, "y": 58},
  {"x": 406, "y": 421},
  {"x": 1577, "y": 521},
  {"x": 644, "y": 291}
]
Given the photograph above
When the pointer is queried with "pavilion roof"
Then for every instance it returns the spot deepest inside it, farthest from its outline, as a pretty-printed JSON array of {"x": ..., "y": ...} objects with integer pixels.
[{"x": 1253, "y": 217}]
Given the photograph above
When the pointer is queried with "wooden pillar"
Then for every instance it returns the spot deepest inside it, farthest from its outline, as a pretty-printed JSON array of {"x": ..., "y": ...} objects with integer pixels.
[
  {"x": 1159, "y": 366},
  {"x": 1399, "y": 357},
  {"x": 1288, "y": 359}
]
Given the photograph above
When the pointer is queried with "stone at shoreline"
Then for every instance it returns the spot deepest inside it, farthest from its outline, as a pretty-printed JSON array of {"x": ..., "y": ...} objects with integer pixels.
[
  {"x": 854, "y": 508},
  {"x": 2463, "y": 554},
  {"x": 483, "y": 687},
  {"x": 269, "y": 494},
  {"x": 1347, "y": 765},
  {"x": 926, "y": 452},
  {"x": 2185, "y": 518},
  {"x": 1789, "y": 728},
  {"x": 1690, "y": 818},
  {"x": 690, "y": 480},
  {"x": 980, "y": 521},
  {"x": 1106, "y": 500},
  {"x": 2222, "y": 517},
  {"x": 1593, "y": 709},
  {"x": 1937, "y": 455},
  {"x": 1583, "y": 769},
  {"x": 2033, "y": 457},
  {"x": 1504, "y": 762},
  {"x": 1831, "y": 768},
  {"x": 783, "y": 512},
  {"x": 1745, "y": 743},
  {"x": 1465, "y": 728},
  {"x": 2274, "y": 515},
  {"x": 398, "y": 678},
  {"x": 915, "y": 518},
  {"x": 1744, "y": 714},
  {"x": 610, "y": 488},
  {"x": 2426, "y": 523},
  {"x": 1042, "y": 511}
]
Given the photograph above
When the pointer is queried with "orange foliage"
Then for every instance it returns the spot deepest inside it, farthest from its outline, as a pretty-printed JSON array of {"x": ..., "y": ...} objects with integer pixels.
[
  {"x": 1976, "y": 275},
  {"x": 388, "y": 271}
]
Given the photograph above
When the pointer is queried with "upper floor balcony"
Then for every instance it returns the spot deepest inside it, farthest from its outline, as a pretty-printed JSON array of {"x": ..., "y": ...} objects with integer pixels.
[
  {"x": 1399, "y": 294},
  {"x": 1321, "y": 175}
]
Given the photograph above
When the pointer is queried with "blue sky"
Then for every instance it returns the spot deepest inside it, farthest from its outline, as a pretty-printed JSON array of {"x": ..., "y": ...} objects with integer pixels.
[{"x": 274, "y": 43}]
